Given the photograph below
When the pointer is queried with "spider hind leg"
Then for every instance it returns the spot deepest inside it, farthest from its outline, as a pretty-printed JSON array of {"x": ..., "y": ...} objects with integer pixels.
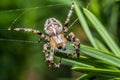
[
  {"x": 71, "y": 37},
  {"x": 50, "y": 56}
]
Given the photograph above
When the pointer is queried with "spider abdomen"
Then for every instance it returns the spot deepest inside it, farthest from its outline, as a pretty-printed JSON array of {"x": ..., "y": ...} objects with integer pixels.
[{"x": 52, "y": 27}]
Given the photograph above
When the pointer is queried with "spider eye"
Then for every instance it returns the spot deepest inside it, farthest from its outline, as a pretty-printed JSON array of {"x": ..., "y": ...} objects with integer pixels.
[{"x": 52, "y": 26}]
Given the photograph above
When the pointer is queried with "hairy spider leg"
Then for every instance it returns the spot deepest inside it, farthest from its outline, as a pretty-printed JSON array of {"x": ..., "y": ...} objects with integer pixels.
[
  {"x": 26, "y": 30},
  {"x": 67, "y": 21},
  {"x": 49, "y": 57},
  {"x": 69, "y": 15},
  {"x": 45, "y": 50},
  {"x": 30, "y": 30},
  {"x": 71, "y": 37}
]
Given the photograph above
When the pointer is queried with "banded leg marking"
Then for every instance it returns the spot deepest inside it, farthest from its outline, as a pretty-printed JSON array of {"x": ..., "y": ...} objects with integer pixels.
[
  {"x": 26, "y": 30},
  {"x": 50, "y": 56},
  {"x": 67, "y": 21},
  {"x": 69, "y": 15},
  {"x": 45, "y": 50}
]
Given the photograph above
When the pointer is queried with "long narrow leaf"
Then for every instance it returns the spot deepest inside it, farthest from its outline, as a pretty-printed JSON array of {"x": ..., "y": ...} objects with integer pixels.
[
  {"x": 83, "y": 77},
  {"x": 98, "y": 70},
  {"x": 84, "y": 25},
  {"x": 103, "y": 32},
  {"x": 101, "y": 55},
  {"x": 104, "y": 58},
  {"x": 101, "y": 45}
]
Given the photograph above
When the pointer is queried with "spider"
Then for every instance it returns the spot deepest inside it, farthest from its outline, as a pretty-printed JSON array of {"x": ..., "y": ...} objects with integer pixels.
[{"x": 54, "y": 34}]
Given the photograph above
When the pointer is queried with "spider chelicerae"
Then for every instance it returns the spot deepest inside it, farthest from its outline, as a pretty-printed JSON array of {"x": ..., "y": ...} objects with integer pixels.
[{"x": 54, "y": 34}]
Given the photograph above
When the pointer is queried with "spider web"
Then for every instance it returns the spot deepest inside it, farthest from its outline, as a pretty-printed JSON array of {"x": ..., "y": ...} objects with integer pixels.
[
  {"x": 14, "y": 21},
  {"x": 9, "y": 41},
  {"x": 17, "y": 20}
]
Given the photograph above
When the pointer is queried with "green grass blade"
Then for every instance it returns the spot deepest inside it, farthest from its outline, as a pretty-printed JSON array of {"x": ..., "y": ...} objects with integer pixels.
[
  {"x": 84, "y": 25},
  {"x": 103, "y": 32},
  {"x": 84, "y": 77},
  {"x": 114, "y": 19},
  {"x": 105, "y": 58},
  {"x": 97, "y": 70},
  {"x": 85, "y": 62},
  {"x": 101, "y": 45},
  {"x": 98, "y": 54},
  {"x": 75, "y": 62}
]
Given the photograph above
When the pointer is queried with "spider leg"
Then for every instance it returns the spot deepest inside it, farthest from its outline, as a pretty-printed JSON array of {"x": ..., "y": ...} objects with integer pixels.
[
  {"x": 30, "y": 30},
  {"x": 67, "y": 21},
  {"x": 26, "y": 30},
  {"x": 71, "y": 37},
  {"x": 69, "y": 15},
  {"x": 43, "y": 36},
  {"x": 57, "y": 65},
  {"x": 45, "y": 50},
  {"x": 51, "y": 57}
]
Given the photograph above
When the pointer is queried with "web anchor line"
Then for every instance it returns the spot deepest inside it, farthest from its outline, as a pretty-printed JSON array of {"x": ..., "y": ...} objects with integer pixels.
[
  {"x": 73, "y": 23},
  {"x": 31, "y": 8},
  {"x": 23, "y": 41},
  {"x": 12, "y": 40},
  {"x": 32, "y": 41}
]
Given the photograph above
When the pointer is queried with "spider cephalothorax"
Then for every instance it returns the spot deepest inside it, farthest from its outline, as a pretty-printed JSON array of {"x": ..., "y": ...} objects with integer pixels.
[{"x": 55, "y": 37}]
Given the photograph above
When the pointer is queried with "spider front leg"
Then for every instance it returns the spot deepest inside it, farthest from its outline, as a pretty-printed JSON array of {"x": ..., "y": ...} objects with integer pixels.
[
  {"x": 26, "y": 30},
  {"x": 42, "y": 36},
  {"x": 71, "y": 37},
  {"x": 67, "y": 21}
]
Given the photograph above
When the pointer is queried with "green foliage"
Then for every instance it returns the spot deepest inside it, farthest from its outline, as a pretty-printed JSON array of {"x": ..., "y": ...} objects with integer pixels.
[
  {"x": 103, "y": 32},
  {"x": 100, "y": 54},
  {"x": 110, "y": 59},
  {"x": 104, "y": 62}
]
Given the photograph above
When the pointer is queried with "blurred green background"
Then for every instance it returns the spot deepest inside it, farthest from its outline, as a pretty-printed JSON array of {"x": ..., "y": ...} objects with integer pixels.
[{"x": 25, "y": 61}]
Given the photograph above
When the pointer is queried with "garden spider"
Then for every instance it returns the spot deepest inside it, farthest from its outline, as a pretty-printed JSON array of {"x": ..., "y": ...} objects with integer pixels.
[{"x": 55, "y": 37}]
